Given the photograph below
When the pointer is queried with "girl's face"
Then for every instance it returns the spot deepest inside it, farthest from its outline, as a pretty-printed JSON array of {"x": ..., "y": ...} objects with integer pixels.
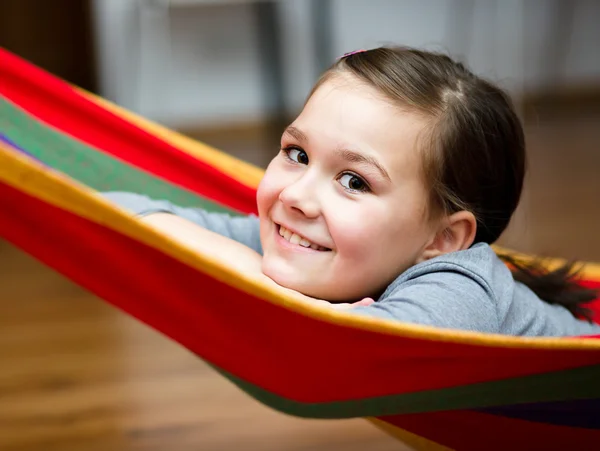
[{"x": 343, "y": 207}]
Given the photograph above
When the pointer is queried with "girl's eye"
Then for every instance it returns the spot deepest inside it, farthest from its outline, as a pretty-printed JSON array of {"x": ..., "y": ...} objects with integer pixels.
[
  {"x": 296, "y": 155},
  {"x": 353, "y": 182}
]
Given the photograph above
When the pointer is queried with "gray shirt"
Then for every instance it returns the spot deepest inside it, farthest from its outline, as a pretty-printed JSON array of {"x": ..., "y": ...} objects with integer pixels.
[{"x": 468, "y": 290}]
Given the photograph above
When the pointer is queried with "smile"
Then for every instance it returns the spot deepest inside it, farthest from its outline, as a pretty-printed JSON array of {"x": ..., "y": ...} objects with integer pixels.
[{"x": 296, "y": 239}]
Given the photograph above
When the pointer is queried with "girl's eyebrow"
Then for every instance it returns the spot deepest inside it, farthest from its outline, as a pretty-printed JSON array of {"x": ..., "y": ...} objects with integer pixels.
[
  {"x": 356, "y": 157},
  {"x": 346, "y": 154},
  {"x": 296, "y": 133}
]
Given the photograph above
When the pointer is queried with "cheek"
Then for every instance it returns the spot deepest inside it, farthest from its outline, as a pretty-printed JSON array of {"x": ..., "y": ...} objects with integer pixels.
[
  {"x": 372, "y": 231},
  {"x": 354, "y": 227},
  {"x": 268, "y": 191}
]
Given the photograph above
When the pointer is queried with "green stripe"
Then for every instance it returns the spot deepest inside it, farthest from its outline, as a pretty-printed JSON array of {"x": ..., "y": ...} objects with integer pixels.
[
  {"x": 90, "y": 166},
  {"x": 579, "y": 383}
]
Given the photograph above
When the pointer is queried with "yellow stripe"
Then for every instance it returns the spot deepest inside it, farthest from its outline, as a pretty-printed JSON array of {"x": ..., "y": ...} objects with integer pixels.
[
  {"x": 244, "y": 172},
  {"x": 30, "y": 177},
  {"x": 416, "y": 442}
]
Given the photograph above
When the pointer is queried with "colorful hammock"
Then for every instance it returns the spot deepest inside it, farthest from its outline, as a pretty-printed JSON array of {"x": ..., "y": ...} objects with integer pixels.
[{"x": 434, "y": 389}]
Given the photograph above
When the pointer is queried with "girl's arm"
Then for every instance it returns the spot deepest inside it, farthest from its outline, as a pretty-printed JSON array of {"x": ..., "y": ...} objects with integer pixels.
[
  {"x": 218, "y": 247},
  {"x": 225, "y": 250},
  {"x": 243, "y": 229}
]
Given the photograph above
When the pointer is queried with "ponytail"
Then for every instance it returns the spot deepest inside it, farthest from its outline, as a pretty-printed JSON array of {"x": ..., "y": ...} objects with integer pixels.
[{"x": 558, "y": 286}]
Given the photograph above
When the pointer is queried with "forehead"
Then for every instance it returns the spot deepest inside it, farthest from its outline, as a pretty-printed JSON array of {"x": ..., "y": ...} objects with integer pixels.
[{"x": 345, "y": 112}]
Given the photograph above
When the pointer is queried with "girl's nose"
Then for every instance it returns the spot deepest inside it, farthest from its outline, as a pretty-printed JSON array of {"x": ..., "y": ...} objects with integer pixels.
[{"x": 301, "y": 197}]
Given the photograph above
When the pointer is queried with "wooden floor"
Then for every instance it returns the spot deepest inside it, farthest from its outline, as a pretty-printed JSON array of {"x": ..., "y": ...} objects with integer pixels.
[{"x": 76, "y": 374}]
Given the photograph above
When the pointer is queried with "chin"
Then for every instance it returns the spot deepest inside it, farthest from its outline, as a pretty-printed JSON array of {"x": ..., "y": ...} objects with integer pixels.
[
  {"x": 306, "y": 287},
  {"x": 280, "y": 276},
  {"x": 289, "y": 279}
]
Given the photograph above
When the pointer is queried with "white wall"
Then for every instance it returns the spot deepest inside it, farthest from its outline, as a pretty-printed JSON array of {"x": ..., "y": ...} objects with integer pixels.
[
  {"x": 189, "y": 65},
  {"x": 115, "y": 36},
  {"x": 583, "y": 62},
  {"x": 200, "y": 65}
]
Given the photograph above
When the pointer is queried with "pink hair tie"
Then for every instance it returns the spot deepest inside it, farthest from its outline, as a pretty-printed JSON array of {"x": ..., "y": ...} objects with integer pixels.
[{"x": 352, "y": 53}]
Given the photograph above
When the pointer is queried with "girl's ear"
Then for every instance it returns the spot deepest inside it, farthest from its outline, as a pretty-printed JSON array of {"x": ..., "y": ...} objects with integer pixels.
[{"x": 456, "y": 233}]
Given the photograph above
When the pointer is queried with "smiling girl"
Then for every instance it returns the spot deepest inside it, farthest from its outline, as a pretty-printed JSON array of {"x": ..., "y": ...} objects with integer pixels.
[{"x": 400, "y": 171}]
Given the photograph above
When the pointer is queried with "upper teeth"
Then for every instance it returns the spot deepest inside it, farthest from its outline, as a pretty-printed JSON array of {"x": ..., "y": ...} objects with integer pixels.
[{"x": 297, "y": 239}]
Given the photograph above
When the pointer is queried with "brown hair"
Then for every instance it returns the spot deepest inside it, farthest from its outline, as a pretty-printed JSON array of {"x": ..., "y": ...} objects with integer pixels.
[{"x": 474, "y": 157}]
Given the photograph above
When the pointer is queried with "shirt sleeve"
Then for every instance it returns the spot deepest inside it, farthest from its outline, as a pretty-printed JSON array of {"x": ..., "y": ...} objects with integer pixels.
[
  {"x": 447, "y": 299},
  {"x": 243, "y": 229}
]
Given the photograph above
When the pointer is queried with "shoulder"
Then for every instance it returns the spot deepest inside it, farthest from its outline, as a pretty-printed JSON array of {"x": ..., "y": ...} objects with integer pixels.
[
  {"x": 477, "y": 265},
  {"x": 456, "y": 290}
]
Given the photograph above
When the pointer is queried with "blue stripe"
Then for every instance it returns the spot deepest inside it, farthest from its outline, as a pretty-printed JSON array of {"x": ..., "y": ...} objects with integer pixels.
[{"x": 581, "y": 413}]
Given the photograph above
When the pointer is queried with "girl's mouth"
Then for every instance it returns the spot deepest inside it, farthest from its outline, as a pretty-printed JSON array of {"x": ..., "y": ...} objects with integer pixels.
[{"x": 298, "y": 240}]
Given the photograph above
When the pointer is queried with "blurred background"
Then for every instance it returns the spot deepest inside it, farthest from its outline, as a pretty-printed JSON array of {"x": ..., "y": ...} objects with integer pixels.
[{"x": 77, "y": 374}]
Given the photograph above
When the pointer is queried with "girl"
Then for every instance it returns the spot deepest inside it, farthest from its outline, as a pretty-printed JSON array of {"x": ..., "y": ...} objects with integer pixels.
[{"x": 400, "y": 171}]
